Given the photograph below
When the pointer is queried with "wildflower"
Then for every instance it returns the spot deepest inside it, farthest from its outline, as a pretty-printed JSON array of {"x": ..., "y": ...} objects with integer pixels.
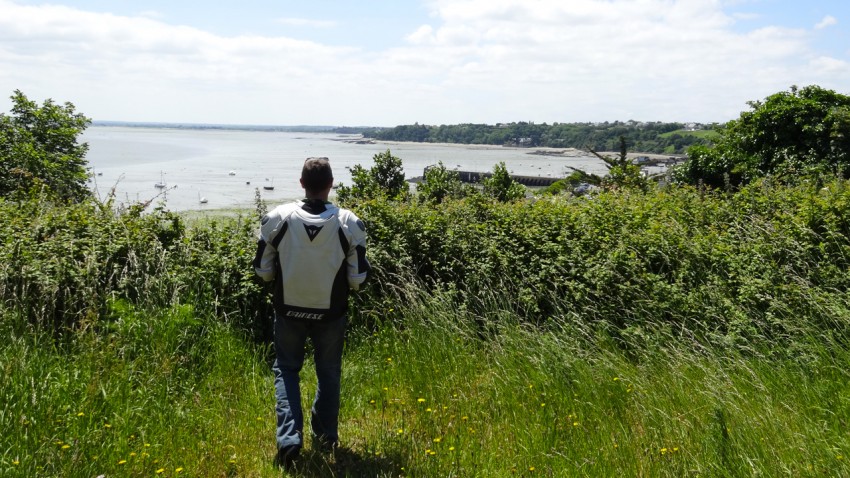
[
  {"x": 616, "y": 379},
  {"x": 464, "y": 418},
  {"x": 675, "y": 449},
  {"x": 16, "y": 462},
  {"x": 65, "y": 447},
  {"x": 106, "y": 425},
  {"x": 178, "y": 470},
  {"x": 400, "y": 431},
  {"x": 132, "y": 453},
  {"x": 121, "y": 462},
  {"x": 371, "y": 402},
  {"x": 575, "y": 424},
  {"x": 543, "y": 404},
  {"x": 530, "y": 468},
  {"x": 839, "y": 457},
  {"x": 429, "y": 410},
  {"x": 160, "y": 471},
  {"x": 147, "y": 445},
  {"x": 81, "y": 414},
  {"x": 259, "y": 419},
  {"x": 438, "y": 440},
  {"x": 663, "y": 451},
  {"x": 420, "y": 400}
]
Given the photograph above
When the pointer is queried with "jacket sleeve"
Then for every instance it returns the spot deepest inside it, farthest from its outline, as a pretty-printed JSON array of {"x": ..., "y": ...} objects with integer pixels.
[
  {"x": 271, "y": 231},
  {"x": 358, "y": 265}
]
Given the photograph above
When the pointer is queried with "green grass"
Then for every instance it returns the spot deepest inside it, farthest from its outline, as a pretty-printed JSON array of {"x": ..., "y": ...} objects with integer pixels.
[
  {"x": 428, "y": 392},
  {"x": 702, "y": 133}
]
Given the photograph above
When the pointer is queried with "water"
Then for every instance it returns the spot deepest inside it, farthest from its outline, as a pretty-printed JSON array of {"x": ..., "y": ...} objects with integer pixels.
[{"x": 226, "y": 167}]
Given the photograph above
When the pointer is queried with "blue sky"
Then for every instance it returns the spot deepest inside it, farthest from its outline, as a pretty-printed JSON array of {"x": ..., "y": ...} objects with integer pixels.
[{"x": 388, "y": 62}]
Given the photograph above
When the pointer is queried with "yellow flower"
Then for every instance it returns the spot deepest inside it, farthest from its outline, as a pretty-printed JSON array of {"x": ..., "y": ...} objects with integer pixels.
[
  {"x": 159, "y": 471},
  {"x": 16, "y": 462},
  {"x": 451, "y": 448},
  {"x": 106, "y": 425},
  {"x": 121, "y": 462},
  {"x": 132, "y": 453},
  {"x": 65, "y": 447},
  {"x": 147, "y": 445},
  {"x": 420, "y": 400},
  {"x": 81, "y": 414},
  {"x": 464, "y": 417},
  {"x": 259, "y": 419},
  {"x": 530, "y": 468},
  {"x": 543, "y": 404},
  {"x": 428, "y": 410},
  {"x": 663, "y": 451},
  {"x": 575, "y": 424},
  {"x": 616, "y": 378},
  {"x": 438, "y": 440},
  {"x": 178, "y": 470},
  {"x": 372, "y": 402},
  {"x": 400, "y": 431}
]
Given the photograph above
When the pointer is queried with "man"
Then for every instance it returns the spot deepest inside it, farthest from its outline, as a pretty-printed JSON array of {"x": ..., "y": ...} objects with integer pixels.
[{"x": 314, "y": 252}]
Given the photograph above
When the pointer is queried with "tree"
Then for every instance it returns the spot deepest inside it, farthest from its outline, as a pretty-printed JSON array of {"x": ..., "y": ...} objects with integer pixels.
[
  {"x": 622, "y": 173},
  {"x": 502, "y": 186},
  {"x": 384, "y": 179},
  {"x": 439, "y": 184},
  {"x": 39, "y": 148},
  {"x": 792, "y": 134}
]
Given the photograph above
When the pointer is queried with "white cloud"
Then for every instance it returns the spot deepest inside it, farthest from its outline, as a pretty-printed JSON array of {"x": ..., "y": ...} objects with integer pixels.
[
  {"x": 827, "y": 21},
  {"x": 476, "y": 60}
]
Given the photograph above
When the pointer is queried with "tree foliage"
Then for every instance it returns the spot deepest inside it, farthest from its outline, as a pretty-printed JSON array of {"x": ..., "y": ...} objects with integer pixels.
[
  {"x": 649, "y": 137},
  {"x": 39, "y": 149},
  {"x": 384, "y": 179},
  {"x": 791, "y": 134},
  {"x": 501, "y": 186},
  {"x": 440, "y": 183}
]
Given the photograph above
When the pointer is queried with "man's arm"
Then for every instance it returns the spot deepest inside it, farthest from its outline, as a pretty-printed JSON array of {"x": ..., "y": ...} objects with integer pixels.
[
  {"x": 358, "y": 265},
  {"x": 272, "y": 229}
]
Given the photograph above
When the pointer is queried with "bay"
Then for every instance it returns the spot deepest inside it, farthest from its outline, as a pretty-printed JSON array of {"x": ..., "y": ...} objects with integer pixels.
[{"x": 228, "y": 167}]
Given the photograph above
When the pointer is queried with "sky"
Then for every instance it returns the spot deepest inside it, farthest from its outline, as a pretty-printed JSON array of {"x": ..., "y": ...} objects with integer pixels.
[{"x": 391, "y": 62}]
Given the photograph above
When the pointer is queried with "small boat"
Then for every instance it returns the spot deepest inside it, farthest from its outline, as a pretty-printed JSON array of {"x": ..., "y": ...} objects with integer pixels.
[
  {"x": 270, "y": 187},
  {"x": 232, "y": 173},
  {"x": 202, "y": 199},
  {"x": 161, "y": 183}
]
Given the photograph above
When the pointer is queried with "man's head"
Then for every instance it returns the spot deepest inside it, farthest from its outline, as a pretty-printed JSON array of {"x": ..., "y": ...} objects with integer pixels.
[{"x": 317, "y": 177}]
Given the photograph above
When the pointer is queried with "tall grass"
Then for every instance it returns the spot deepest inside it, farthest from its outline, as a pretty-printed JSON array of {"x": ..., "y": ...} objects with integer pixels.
[{"x": 677, "y": 333}]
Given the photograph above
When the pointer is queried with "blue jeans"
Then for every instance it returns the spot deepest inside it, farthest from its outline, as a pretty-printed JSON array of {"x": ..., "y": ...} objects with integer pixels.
[{"x": 290, "y": 337}]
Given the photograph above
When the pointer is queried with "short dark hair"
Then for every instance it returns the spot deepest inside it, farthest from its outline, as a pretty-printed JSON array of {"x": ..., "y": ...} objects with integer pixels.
[{"x": 316, "y": 174}]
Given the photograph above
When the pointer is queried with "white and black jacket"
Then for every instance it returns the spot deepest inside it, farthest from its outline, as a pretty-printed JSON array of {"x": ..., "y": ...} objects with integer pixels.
[{"x": 314, "y": 251}]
